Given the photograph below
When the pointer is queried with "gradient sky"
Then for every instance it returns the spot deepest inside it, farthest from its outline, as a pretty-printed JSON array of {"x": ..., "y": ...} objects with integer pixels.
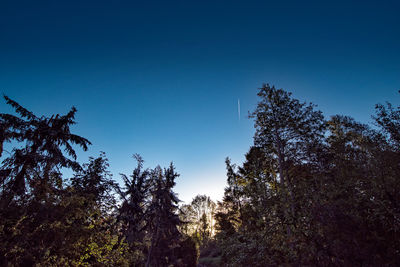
[{"x": 162, "y": 78}]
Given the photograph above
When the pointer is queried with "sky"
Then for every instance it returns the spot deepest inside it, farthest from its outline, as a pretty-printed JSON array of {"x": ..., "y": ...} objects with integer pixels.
[{"x": 163, "y": 78}]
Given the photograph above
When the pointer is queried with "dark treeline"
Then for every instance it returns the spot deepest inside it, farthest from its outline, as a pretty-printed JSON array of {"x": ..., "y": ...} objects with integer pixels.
[
  {"x": 48, "y": 220},
  {"x": 312, "y": 191}
]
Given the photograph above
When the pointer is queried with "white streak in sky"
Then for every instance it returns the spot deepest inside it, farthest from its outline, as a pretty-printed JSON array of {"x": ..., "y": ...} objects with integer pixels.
[{"x": 239, "y": 108}]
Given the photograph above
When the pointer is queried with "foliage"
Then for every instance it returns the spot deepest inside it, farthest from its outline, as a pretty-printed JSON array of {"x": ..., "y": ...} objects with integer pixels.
[
  {"x": 164, "y": 219},
  {"x": 198, "y": 219},
  {"x": 48, "y": 220},
  {"x": 313, "y": 192}
]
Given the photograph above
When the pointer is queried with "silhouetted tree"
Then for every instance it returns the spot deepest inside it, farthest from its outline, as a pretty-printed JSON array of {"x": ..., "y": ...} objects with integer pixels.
[
  {"x": 313, "y": 192},
  {"x": 133, "y": 213},
  {"x": 43, "y": 139},
  {"x": 164, "y": 219},
  {"x": 45, "y": 220}
]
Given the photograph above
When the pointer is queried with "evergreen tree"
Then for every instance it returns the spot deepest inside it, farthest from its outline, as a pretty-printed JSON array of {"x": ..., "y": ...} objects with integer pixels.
[
  {"x": 92, "y": 215},
  {"x": 36, "y": 164},
  {"x": 164, "y": 219},
  {"x": 45, "y": 220},
  {"x": 133, "y": 213}
]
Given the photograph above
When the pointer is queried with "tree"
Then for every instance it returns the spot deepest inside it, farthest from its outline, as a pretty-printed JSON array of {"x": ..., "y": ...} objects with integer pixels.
[
  {"x": 289, "y": 133},
  {"x": 388, "y": 119},
  {"x": 46, "y": 219},
  {"x": 149, "y": 221},
  {"x": 91, "y": 227},
  {"x": 32, "y": 187},
  {"x": 39, "y": 161},
  {"x": 312, "y": 192},
  {"x": 286, "y": 129},
  {"x": 133, "y": 213},
  {"x": 164, "y": 218},
  {"x": 196, "y": 215}
]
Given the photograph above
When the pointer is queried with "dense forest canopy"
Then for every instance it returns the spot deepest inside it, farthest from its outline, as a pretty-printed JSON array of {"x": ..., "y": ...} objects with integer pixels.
[{"x": 312, "y": 191}]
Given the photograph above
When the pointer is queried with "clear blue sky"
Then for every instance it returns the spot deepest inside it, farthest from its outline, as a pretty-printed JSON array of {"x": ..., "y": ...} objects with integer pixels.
[{"x": 162, "y": 78}]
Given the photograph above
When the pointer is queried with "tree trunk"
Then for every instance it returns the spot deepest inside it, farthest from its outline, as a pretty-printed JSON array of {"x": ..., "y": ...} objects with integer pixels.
[{"x": 154, "y": 241}]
